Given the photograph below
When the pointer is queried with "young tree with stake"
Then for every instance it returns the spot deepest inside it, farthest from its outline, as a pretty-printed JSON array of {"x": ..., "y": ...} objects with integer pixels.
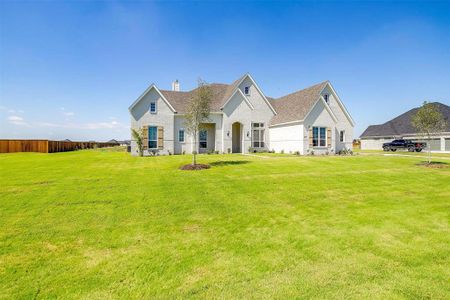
[
  {"x": 428, "y": 121},
  {"x": 138, "y": 137},
  {"x": 198, "y": 112}
]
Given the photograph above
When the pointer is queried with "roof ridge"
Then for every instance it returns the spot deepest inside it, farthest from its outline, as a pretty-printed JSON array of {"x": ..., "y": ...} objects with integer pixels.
[
  {"x": 214, "y": 84},
  {"x": 302, "y": 90}
]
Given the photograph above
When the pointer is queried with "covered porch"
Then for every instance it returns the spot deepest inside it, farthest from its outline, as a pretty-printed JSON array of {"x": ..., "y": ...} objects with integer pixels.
[{"x": 207, "y": 138}]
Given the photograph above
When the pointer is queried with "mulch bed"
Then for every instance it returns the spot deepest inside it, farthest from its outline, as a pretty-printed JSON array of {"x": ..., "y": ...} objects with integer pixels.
[
  {"x": 434, "y": 165},
  {"x": 191, "y": 167}
]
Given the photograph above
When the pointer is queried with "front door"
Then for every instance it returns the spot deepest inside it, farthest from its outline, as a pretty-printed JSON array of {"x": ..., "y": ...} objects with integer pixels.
[{"x": 237, "y": 137}]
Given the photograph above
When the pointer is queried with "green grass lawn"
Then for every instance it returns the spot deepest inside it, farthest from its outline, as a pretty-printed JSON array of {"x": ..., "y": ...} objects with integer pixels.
[
  {"x": 404, "y": 152},
  {"x": 99, "y": 225}
]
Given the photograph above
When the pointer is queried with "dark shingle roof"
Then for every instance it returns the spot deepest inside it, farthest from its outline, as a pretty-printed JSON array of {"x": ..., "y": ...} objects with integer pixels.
[
  {"x": 291, "y": 107},
  {"x": 295, "y": 106},
  {"x": 403, "y": 123},
  {"x": 221, "y": 93}
]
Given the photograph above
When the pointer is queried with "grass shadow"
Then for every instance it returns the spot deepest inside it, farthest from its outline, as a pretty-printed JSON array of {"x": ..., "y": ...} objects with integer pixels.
[
  {"x": 222, "y": 163},
  {"x": 433, "y": 164}
]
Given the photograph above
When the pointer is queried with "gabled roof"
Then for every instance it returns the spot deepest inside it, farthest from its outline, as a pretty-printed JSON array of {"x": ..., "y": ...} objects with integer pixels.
[
  {"x": 296, "y": 106},
  {"x": 239, "y": 92},
  {"x": 231, "y": 89},
  {"x": 403, "y": 124},
  {"x": 221, "y": 95},
  {"x": 289, "y": 108},
  {"x": 180, "y": 100},
  {"x": 152, "y": 86}
]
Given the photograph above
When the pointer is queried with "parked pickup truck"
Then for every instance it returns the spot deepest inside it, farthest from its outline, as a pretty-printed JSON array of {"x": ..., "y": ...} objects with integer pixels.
[{"x": 411, "y": 146}]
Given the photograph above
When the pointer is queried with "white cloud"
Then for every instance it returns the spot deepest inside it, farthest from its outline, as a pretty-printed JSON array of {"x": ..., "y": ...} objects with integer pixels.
[
  {"x": 100, "y": 125},
  {"x": 87, "y": 126},
  {"x": 10, "y": 110},
  {"x": 68, "y": 114},
  {"x": 47, "y": 124},
  {"x": 16, "y": 120}
]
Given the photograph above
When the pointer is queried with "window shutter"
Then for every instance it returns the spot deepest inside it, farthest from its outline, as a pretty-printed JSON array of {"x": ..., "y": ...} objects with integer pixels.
[
  {"x": 160, "y": 137},
  {"x": 145, "y": 137},
  {"x": 310, "y": 137},
  {"x": 329, "y": 136}
]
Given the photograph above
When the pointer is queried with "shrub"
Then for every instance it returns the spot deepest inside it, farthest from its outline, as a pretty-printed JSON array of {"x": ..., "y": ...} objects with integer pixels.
[
  {"x": 282, "y": 151},
  {"x": 229, "y": 150},
  {"x": 216, "y": 152},
  {"x": 345, "y": 152},
  {"x": 297, "y": 153}
]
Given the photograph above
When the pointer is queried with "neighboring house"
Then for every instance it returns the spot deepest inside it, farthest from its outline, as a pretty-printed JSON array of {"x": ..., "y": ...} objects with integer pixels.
[
  {"x": 401, "y": 127},
  {"x": 119, "y": 143},
  {"x": 243, "y": 119},
  {"x": 113, "y": 141},
  {"x": 125, "y": 143}
]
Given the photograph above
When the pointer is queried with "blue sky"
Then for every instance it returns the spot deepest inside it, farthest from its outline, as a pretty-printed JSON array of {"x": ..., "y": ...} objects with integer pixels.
[{"x": 71, "y": 69}]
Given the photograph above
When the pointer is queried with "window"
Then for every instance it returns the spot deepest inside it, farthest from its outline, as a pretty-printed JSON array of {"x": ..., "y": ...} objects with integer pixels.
[
  {"x": 342, "y": 136},
  {"x": 247, "y": 90},
  {"x": 181, "y": 135},
  {"x": 325, "y": 97},
  {"x": 153, "y": 137},
  {"x": 153, "y": 107},
  {"x": 319, "y": 136},
  {"x": 258, "y": 135},
  {"x": 203, "y": 138}
]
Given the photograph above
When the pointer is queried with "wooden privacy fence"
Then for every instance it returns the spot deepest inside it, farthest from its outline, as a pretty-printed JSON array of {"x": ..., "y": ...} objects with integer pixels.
[{"x": 46, "y": 146}]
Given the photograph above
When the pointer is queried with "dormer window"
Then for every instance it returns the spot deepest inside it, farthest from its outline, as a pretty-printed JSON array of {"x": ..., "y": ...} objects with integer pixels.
[
  {"x": 325, "y": 97},
  {"x": 247, "y": 90},
  {"x": 153, "y": 107}
]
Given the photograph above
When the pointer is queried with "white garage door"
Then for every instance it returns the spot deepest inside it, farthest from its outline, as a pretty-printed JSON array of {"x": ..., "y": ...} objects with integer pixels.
[{"x": 435, "y": 144}]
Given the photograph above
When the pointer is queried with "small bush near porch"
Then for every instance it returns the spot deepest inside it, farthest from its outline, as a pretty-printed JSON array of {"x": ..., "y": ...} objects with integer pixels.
[{"x": 98, "y": 225}]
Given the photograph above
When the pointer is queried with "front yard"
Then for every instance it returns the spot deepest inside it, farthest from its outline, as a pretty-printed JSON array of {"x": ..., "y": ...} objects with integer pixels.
[{"x": 98, "y": 225}]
